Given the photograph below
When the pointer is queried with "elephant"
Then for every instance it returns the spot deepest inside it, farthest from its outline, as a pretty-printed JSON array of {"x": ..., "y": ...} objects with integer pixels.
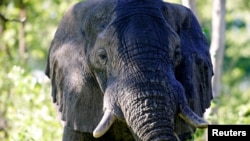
[{"x": 130, "y": 70}]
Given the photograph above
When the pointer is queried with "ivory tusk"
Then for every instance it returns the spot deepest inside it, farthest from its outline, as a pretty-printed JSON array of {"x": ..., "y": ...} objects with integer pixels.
[
  {"x": 104, "y": 125},
  {"x": 190, "y": 117}
]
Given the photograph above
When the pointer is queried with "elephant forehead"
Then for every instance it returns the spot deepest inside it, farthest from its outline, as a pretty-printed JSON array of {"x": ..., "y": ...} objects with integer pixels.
[
  {"x": 142, "y": 21},
  {"x": 144, "y": 33},
  {"x": 126, "y": 10},
  {"x": 146, "y": 30}
]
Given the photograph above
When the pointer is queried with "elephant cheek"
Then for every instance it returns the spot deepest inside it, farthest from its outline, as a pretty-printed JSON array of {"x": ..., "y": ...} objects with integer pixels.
[{"x": 150, "y": 116}]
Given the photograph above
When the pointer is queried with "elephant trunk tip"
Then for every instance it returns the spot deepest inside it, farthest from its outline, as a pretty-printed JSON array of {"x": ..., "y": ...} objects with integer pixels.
[
  {"x": 193, "y": 119},
  {"x": 107, "y": 120}
]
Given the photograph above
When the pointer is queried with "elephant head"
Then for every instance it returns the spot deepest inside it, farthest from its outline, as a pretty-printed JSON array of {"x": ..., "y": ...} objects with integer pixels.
[{"x": 143, "y": 62}]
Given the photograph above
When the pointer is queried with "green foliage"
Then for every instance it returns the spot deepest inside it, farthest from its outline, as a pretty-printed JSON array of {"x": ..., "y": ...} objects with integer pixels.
[
  {"x": 234, "y": 101},
  {"x": 28, "y": 108}
]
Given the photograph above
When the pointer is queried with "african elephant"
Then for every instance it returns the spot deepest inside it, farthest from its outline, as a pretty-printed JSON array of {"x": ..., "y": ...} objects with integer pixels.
[{"x": 130, "y": 70}]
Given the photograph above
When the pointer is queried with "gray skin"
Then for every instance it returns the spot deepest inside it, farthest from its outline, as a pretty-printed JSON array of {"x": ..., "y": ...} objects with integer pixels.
[{"x": 130, "y": 70}]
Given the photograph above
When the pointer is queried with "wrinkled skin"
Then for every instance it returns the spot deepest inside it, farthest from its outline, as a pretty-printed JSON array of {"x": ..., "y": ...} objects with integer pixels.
[{"x": 130, "y": 70}]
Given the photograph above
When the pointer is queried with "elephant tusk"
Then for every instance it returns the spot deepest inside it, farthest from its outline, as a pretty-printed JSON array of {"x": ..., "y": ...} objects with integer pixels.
[
  {"x": 192, "y": 118},
  {"x": 104, "y": 125}
]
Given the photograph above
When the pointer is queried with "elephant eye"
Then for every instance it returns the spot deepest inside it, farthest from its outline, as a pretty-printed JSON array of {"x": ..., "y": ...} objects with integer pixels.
[{"x": 102, "y": 56}]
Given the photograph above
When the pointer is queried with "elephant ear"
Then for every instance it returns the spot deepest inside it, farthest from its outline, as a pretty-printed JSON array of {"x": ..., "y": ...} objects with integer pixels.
[
  {"x": 195, "y": 69},
  {"x": 75, "y": 92}
]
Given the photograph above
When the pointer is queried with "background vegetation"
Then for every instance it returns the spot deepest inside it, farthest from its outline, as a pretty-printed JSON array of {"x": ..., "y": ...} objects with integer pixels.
[{"x": 26, "y": 30}]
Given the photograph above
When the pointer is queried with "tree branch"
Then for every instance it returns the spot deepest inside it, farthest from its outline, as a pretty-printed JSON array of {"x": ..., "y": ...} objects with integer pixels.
[{"x": 2, "y": 17}]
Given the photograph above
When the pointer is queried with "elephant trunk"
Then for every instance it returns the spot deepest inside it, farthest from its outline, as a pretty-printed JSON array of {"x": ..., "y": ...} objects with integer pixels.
[{"x": 148, "y": 113}]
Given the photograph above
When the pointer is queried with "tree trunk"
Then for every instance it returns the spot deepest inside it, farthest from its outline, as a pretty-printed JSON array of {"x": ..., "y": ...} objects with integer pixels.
[
  {"x": 22, "y": 44},
  {"x": 218, "y": 43},
  {"x": 217, "y": 48}
]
